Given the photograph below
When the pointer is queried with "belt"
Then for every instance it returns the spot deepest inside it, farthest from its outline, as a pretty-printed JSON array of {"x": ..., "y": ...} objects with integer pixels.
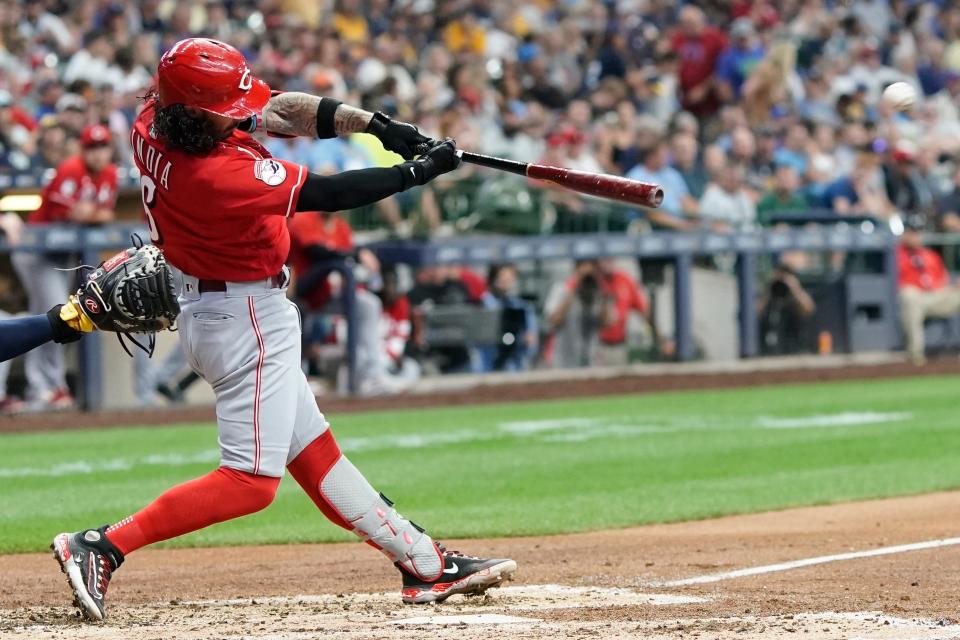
[{"x": 206, "y": 286}]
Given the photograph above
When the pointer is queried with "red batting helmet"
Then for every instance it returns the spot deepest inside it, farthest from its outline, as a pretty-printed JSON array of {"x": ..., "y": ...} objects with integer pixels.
[{"x": 210, "y": 75}]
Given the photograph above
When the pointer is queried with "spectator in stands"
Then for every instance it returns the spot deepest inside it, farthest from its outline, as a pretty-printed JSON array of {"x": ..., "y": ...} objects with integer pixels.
[
  {"x": 43, "y": 29},
  {"x": 95, "y": 62},
  {"x": 869, "y": 74},
  {"x": 699, "y": 47},
  {"x": 786, "y": 312},
  {"x": 771, "y": 85},
  {"x": 48, "y": 93},
  {"x": 678, "y": 208},
  {"x": 520, "y": 333},
  {"x": 586, "y": 316},
  {"x": 786, "y": 196},
  {"x": 861, "y": 192},
  {"x": 948, "y": 207},
  {"x": 738, "y": 60},
  {"x": 726, "y": 205},
  {"x": 823, "y": 166},
  {"x": 15, "y": 139},
  {"x": 317, "y": 240},
  {"x": 925, "y": 288},
  {"x": 685, "y": 158},
  {"x": 816, "y": 106},
  {"x": 794, "y": 149},
  {"x": 83, "y": 191},
  {"x": 743, "y": 151},
  {"x": 72, "y": 113},
  {"x": 907, "y": 190},
  {"x": 53, "y": 146}
]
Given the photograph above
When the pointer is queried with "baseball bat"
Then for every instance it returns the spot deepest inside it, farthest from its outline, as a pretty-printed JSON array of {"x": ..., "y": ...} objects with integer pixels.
[{"x": 601, "y": 185}]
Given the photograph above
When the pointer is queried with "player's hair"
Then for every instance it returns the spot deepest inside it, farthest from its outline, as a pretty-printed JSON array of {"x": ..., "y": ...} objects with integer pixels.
[{"x": 184, "y": 132}]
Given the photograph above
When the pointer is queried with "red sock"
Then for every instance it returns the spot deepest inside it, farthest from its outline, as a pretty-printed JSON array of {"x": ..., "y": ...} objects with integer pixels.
[
  {"x": 221, "y": 495},
  {"x": 309, "y": 469}
]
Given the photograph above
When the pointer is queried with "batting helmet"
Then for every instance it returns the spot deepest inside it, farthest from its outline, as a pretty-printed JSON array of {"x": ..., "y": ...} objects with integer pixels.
[{"x": 210, "y": 75}]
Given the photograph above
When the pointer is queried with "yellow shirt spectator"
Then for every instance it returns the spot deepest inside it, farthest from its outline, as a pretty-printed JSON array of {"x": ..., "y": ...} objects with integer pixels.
[
  {"x": 352, "y": 28},
  {"x": 463, "y": 37}
]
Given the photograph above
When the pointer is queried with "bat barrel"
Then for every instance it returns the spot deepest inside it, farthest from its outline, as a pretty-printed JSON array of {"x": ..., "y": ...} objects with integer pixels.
[
  {"x": 643, "y": 194},
  {"x": 602, "y": 185}
]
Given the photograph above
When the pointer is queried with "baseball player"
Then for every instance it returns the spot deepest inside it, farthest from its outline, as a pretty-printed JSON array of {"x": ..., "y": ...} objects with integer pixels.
[
  {"x": 216, "y": 203},
  {"x": 84, "y": 191}
]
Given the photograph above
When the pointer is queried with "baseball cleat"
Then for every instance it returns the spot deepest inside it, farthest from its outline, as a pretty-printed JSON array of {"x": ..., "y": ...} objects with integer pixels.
[
  {"x": 461, "y": 574},
  {"x": 88, "y": 559}
]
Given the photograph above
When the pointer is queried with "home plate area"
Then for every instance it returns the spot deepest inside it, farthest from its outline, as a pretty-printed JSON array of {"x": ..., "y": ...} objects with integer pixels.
[
  {"x": 529, "y": 611},
  {"x": 873, "y": 570}
]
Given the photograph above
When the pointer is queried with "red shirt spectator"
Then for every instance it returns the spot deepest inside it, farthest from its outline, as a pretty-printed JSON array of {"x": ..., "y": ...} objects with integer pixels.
[
  {"x": 314, "y": 228},
  {"x": 84, "y": 188},
  {"x": 475, "y": 283},
  {"x": 922, "y": 268},
  {"x": 698, "y": 47},
  {"x": 626, "y": 296}
]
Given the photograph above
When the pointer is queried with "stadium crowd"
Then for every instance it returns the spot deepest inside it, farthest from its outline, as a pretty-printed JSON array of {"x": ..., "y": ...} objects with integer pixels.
[
  {"x": 742, "y": 109},
  {"x": 746, "y": 111}
]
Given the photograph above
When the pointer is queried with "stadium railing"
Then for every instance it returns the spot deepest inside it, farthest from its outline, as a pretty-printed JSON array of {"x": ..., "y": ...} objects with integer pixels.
[{"x": 679, "y": 249}]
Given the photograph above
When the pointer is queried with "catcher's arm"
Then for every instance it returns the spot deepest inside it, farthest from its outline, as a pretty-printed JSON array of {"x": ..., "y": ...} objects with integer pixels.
[
  {"x": 301, "y": 114},
  {"x": 20, "y": 335}
]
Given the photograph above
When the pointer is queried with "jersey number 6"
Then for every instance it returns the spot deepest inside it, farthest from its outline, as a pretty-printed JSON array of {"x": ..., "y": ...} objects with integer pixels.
[{"x": 148, "y": 189}]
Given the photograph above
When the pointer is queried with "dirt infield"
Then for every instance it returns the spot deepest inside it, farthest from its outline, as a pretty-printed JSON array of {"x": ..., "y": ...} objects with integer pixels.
[
  {"x": 510, "y": 392},
  {"x": 602, "y": 584}
]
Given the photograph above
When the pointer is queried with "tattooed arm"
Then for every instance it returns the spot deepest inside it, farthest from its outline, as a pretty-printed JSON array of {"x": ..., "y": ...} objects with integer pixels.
[
  {"x": 301, "y": 114},
  {"x": 295, "y": 114}
]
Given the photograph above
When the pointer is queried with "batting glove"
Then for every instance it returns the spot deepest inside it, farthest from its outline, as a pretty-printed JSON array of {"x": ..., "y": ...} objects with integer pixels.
[
  {"x": 399, "y": 137},
  {"x": 440, "y": 158}
]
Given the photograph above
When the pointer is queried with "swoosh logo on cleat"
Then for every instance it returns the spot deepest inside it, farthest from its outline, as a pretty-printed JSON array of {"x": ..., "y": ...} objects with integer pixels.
[{"x": 453, "y": 568}]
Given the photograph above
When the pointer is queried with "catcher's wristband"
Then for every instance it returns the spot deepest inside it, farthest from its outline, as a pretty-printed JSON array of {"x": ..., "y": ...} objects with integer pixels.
[
  {"x": 60, "y": 318},
  {"x": 75, "y": 318}
]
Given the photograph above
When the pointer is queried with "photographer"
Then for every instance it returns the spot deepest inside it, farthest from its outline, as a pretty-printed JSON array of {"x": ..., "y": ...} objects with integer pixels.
[
  {"x": 587, "y": 314},
  {"x": 785, "y": 312}
]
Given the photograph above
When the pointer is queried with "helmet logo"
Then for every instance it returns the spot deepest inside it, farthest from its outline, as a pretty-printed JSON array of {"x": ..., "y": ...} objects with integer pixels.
[{"x": 246, "y": 80}]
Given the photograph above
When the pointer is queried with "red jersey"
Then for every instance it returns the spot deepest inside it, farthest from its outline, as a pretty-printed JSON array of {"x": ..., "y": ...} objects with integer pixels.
[
  {"x": 221, "y": 216},
  {"x": 314, "y": 228},
  {"x": 74, "y": 184},
  {"x": 922, "y": 268},
  {"x": 698, "y": 58},
  {"x": 627, "y": 296}
]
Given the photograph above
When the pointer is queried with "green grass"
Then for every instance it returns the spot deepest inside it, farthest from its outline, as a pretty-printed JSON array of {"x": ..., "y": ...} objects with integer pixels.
[{"x": 529, "y": 468}]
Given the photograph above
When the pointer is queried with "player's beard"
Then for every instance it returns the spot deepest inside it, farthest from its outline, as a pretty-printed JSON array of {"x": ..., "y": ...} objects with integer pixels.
[{"x": 184, "y": 132}]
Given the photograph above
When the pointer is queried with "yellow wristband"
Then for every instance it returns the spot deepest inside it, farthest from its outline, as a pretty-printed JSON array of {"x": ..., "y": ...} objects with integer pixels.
[{"x": 73, "y": 315}]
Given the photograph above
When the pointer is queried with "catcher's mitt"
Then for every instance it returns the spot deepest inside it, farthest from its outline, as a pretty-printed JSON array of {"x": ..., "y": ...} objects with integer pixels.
[{"x": 132, "y": 292}]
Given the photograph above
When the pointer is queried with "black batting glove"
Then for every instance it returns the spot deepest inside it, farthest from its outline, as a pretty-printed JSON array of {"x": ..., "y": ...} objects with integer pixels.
[
  {"x": 399, "y": 137},
  {"x": 440, "y": 158}
]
